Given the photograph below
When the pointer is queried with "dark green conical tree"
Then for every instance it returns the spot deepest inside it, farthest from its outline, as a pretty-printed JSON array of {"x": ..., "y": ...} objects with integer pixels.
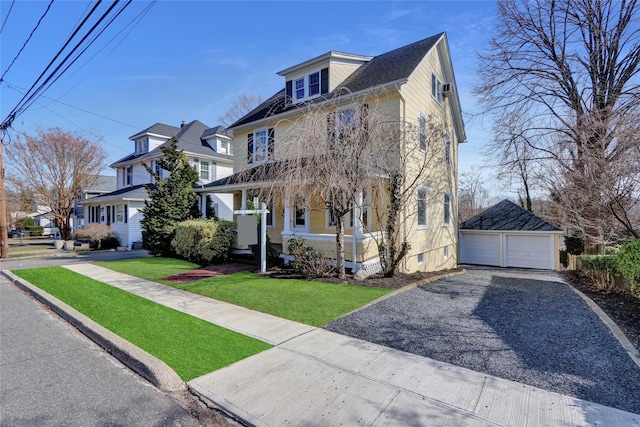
[{"x": 171, "y": 201}]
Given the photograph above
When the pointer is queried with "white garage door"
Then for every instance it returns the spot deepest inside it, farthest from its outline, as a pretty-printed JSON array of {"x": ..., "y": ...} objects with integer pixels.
[
  {"x": 529, "y": 251},
  {"x": 477, "y": 248}
]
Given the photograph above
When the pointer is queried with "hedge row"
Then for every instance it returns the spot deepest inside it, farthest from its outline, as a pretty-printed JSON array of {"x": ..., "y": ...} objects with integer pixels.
[{"x": 603, "y": 269}]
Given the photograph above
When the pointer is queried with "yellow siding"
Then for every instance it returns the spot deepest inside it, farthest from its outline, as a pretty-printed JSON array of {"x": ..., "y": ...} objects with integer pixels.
[{"x": 338, "y": 73}]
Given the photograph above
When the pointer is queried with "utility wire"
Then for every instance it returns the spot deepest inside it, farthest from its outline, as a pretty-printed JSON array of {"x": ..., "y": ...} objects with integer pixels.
[
  {"x": 7, "y": 17},
  {"x": 131, "y": 25},
  {"x": 28, "y": 38},
  {"x": 30, "y": 96}
]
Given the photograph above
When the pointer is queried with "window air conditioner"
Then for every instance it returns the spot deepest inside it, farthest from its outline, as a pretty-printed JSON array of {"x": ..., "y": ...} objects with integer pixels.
[{"x": 447, "y": 89}]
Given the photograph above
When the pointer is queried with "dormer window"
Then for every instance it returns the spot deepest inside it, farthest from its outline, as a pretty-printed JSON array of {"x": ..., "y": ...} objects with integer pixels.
[
  {"x": 142, "y": 146},
  {"x": 308, "y": 86}
]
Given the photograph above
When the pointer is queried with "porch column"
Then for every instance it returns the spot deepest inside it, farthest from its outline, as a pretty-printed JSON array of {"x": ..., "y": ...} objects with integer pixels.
[
  {"x": 203, "y": 205},
  {"x": 357, "y": 228},
  {"x": 287, "y": 216},
  {"x": 243, "y": 203}
]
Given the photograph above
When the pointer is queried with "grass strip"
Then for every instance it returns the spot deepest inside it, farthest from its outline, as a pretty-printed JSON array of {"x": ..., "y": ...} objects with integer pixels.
[
  {"x": 311, "y": 303},
  {"x": 190, "y": 346}
]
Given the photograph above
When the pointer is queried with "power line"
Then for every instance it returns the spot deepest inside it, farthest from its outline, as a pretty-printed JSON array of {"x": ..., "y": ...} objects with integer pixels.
[
  {"x": 54, "y": 77},
  {"x": 28, "y": 38},
  {"x": 7, "y": 17}
]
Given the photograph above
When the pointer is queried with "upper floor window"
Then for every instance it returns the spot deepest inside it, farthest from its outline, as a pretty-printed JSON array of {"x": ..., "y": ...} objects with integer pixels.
[
  {"x": 447, "y": 148},
  {"x": 204, "y": 171},
  {"x": 260, "y": 145},
  {"x": 436, "y": 88},
  {"x": 142, "y": 145},
  {"x": 422, "y": 131},
  {"x": 447, "y": 209},
  {"x": 308, "y": 86},
  {"x": 421, "y": 210},
  {"x": 224, "y": 147},
  {"x": 127, "y": 176}
]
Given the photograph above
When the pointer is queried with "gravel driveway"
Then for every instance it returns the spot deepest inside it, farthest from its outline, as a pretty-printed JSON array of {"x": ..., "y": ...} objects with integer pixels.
[{"x": 526, "y": 326}]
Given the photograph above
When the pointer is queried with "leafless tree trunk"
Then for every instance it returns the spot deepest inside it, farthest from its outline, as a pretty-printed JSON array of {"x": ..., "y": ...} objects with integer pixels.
[
  {"x": 567, "y": 71},
  {"x": 56, "y": 166}
]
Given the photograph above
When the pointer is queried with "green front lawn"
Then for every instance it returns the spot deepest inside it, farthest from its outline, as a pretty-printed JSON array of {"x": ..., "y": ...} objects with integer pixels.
[
  {"x": 312, "y": 303},
  {"x": 190, "y": 346}
]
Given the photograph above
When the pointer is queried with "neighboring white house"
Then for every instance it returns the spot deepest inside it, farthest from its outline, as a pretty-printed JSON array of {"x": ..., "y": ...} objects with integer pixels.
[{"x": 209, "y": 152}]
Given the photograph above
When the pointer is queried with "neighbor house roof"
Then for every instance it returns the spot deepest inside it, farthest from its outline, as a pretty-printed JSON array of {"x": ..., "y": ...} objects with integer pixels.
[
  {"x": 136, "y": 192},
  {"x": 389, "y": 67},
  {"x": 158, "y": 129},
  {"x": 103, "y": 184},
  {"x": 507, "y": 216},
  {"x": 190, "y": 139}
]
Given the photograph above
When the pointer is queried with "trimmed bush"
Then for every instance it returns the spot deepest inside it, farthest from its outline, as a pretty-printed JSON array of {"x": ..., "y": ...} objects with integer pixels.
[
  {"x": 204, "y": 241},
  {"x": 34, "y": 230},
  {"x": 628, "y": 264},
  {"x": 602, "y": 270}
]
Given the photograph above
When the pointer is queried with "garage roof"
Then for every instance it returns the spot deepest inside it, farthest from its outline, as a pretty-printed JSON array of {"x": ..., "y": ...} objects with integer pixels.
[{"x": 507, "y": 216}]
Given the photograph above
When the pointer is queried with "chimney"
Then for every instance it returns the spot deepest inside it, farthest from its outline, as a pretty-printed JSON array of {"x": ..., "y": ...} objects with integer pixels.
[{"x": 182, "y": 124}]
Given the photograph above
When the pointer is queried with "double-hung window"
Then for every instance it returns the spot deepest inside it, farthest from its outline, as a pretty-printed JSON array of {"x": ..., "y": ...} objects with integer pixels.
[
  {"x": 422, "y": 131},
  {"x": 447, "y": 209},
  {"x": 128, "y": 176},
  {"x": 421, "y": 210},
  {"x": 299, "y": 88},
  {"x": 260, "y": 146},
  {"x": 314, "y": 83},
  {"x": 308, "y": 86},
  {"x": 447, "y": 149},
  {"x": 204, "y": 171},
  {"x": 436, "y": 88}
]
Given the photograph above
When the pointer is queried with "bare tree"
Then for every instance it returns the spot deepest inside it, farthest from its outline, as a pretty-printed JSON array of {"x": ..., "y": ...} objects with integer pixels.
[
  {"x": 472, "y": 195},
  {"x": 55, "y": 165},
  {"x": 567, "y": 72},
  {"x": 353, "y": 161},
  {"x": 240, "y": 106}
]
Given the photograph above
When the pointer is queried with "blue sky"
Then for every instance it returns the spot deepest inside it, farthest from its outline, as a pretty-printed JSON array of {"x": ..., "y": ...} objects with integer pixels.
[{"x": 188, "y": 60}]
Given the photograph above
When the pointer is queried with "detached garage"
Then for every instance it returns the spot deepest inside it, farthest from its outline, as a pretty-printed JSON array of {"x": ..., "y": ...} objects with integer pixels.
[{"x": 507, "y": 235}]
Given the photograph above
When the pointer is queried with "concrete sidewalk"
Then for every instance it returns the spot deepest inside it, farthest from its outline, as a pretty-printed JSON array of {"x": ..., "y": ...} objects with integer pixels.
[{"x": 316, "y": 377}]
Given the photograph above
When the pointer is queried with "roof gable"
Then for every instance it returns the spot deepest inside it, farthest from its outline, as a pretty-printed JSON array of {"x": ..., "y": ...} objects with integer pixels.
[{"x": 507, "y": 216}]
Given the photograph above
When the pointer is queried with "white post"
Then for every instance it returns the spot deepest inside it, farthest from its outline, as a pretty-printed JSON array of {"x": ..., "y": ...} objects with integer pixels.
[
  {"x": 357, "y": 229},
  {"x": 263, "y": 233},
  {"x": 243, "y": 203}
]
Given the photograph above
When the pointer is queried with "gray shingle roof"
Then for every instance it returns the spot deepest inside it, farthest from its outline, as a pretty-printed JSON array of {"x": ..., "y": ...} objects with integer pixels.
[
  {"x": 395, "y": 65},
  {"x": 190, "y": 139},
  {"x": 137, "y": 192},
  {"x": 159, "y": 129},
  {"x": 104, "y": 184},
  {"x": 507, "y": 216}
]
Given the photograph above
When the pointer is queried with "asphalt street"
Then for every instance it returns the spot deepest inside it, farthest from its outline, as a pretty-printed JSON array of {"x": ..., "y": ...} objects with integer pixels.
[{"x": 51, "y": 375}]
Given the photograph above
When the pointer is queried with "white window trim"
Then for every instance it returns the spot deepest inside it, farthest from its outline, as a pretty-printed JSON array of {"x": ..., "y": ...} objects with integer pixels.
[
  {"x": 438, "y": 88},
  {"x": 444, "y": 222},
  {"x": 255, "y": 146},
  {"x": 305, "y": 79},
  {"x": 426, "y": 208},
  {"x": 423, "y": 116},
  {"x": 447, "y": 148},
  {"x": 208, "y": 171},
  {"x": 307, "y": 218}
]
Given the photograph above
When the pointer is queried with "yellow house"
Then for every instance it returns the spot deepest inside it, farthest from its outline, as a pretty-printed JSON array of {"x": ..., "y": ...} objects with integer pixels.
[{"x": 415, "y": 84}]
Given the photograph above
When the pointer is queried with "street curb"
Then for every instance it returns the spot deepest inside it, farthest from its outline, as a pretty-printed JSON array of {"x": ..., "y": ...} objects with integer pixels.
[
  {"x": 144, "y": 364},
  {"x": 633, "y": 353}
]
